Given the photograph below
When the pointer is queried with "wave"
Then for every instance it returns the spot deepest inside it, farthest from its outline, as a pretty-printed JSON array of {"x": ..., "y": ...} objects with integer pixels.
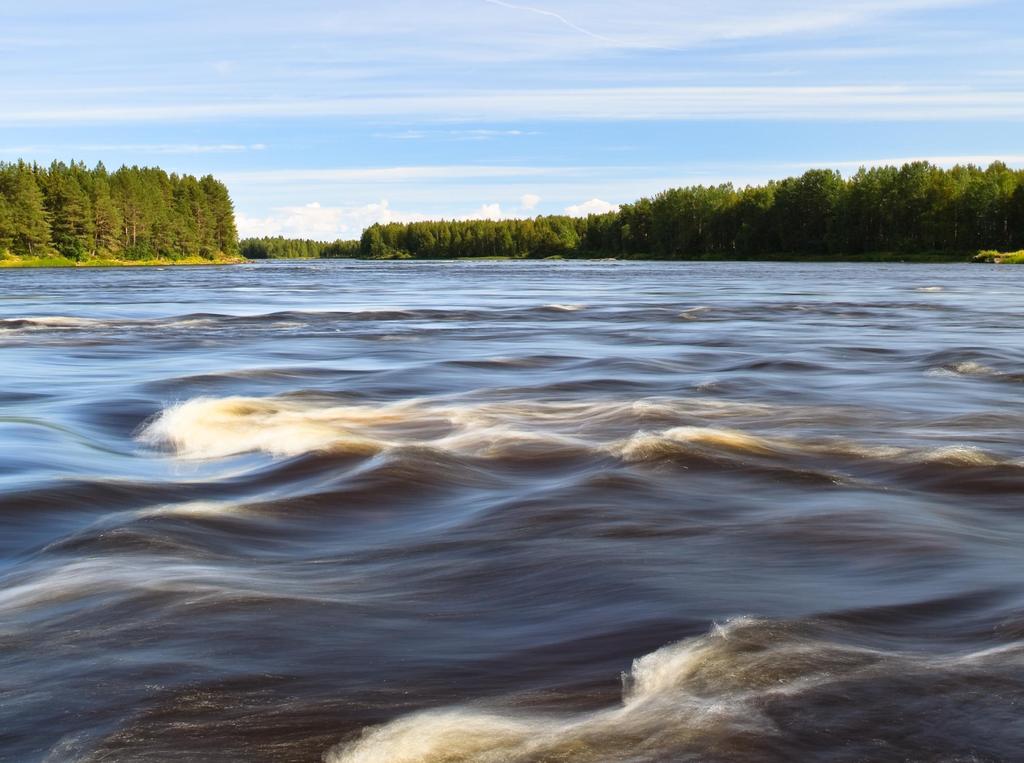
[
  {"x": 287, "y": 319},
  {"x": 974, "y": 369},
  {"x": 152, "y": 571},
  {"x": 695, "y": 313},
  {"x": 634, "y": 431},
  {"x": 561, "y": 308},
  {"x": 208, "y": 427},
  {"x": 964, "y": 368},
  {"x": 723, "y": 696},
  {"x": 48, "y": 322},
  {"x": 647, "y": 446}
]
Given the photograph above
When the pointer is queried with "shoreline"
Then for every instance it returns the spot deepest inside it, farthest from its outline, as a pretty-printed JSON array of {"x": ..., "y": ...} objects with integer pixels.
[
  {"x": 56, "y": 263},
  {"x": 931, "y": 258}
]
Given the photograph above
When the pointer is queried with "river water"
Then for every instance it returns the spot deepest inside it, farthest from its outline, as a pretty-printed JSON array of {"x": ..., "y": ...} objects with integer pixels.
[{"x": 509, "y": 512}]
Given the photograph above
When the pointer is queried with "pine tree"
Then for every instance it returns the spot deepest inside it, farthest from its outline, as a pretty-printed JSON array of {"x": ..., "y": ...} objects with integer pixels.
[
  {"x": 31, "y": 227},
  {"x": 6, "y": 227},
  {"x": 68, "y": 209},
  {"x": 107, "y": 223}
]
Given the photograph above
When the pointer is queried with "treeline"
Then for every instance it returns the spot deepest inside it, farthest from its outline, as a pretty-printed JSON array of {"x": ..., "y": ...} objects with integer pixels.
[
  {"x": 915, "y": 208},
  {"x": 281, "y": 248},
  {"x": 135, "y": 213}
]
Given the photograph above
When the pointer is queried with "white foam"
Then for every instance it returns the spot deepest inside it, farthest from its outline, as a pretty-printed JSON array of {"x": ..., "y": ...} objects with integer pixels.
[
  {"x": 192, "y": 509},
  {"x": 964, "y": 368},
  {"x": 43, "y": 322},
  {"x": 206, "y": 428},
  {"x": 562, "y": 308},
  {"x": 678, "y": 703}
]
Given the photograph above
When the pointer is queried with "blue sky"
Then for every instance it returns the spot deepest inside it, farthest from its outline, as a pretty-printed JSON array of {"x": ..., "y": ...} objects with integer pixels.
[{"x": 323, "y": 117}]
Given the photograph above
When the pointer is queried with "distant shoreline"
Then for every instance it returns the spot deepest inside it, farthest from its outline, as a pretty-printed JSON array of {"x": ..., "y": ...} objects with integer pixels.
[
  {"x": 923, "y": 258},
  {"x": 932, "y": 258},
  {"x": 16, "y": 263}
]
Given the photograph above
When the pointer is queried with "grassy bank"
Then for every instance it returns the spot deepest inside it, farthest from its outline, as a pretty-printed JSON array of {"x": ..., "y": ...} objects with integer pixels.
[
  {"x": 1001, "y": 258},
  {"x": 880, "y": 257},
  {"x": 99, "y": 262}
]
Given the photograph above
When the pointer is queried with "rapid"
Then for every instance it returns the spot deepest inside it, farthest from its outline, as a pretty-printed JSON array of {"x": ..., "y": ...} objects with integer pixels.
[{"x": 504, "y": 512}]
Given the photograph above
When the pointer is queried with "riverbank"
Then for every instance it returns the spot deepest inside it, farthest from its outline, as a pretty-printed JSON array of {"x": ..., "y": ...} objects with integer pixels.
[
  {"x": 62, "y": 262},
  {"x": 920, "y": 258},
  {"x": 1001, "y": 258}
]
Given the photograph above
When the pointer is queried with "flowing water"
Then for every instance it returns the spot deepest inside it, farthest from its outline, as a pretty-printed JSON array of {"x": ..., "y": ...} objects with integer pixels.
[{"x": 510, "y": 512}]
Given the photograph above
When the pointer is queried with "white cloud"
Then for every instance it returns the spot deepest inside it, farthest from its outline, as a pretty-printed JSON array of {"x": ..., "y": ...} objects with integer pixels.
[
  {"x": 529, "y": 201},
  {"x": 322, "y": 223},
  {"x": 329, "y": 223},
  {"x": 592, "y": 207},
  {"x": 486, "y": 212}
]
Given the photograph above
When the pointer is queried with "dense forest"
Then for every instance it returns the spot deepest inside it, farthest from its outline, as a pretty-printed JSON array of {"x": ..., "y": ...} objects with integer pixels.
[
  {"x": 281, "y": 248},
  {"x": 916, "y": 208},
  {"x": 136, "y": 213},
  {"x": 139, "y": 214}
]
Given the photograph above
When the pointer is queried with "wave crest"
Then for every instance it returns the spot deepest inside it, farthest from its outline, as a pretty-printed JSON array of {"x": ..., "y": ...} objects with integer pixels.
[
  {"x": 207, "y": 428},
  {"x": 704, "y": 698}
]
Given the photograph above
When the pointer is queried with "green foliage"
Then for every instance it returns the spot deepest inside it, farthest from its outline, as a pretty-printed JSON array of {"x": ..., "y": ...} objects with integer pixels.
[
  {"x": 29, "y": 231},
  {"x": 1005, "y": 258},
  {"x": 75, "y": 214},
  {"x": 281, "y": 248},
  {"x": 917, "y": 209}
]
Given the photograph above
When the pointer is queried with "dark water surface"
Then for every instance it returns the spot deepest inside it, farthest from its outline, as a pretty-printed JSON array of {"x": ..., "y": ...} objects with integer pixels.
[{"x": 509, "y": 512}]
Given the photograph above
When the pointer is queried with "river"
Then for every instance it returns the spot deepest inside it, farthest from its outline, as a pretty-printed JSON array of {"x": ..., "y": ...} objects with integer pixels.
[{"x": 508, "y": 512}]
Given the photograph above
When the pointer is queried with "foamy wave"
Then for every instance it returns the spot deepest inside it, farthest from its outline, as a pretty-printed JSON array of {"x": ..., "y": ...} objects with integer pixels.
[
  {"x": 47, "y": 322},
  {"x": 206, "y": 428},
  {"x": 966, "y": 368},
  {"x": 560, "y": 308},
  {"x": 192, "y": 509},
  {"x": 221, "y": 427},
  {"x": 677, "y": 703},
  {"x": 709, "y": 440},
  {"x": 930, "y": 289}
]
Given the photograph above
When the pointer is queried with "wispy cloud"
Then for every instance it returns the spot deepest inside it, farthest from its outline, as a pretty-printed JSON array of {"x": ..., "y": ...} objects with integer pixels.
[
  {"x": 941, "y": 161},
  {"x": 460, "y": 107},
  {"x": 846, "y": 102},
  {"x": 455, "y": 135},
  {"x": 136, "y": 148},
  {"x": 399, "y": 174}
]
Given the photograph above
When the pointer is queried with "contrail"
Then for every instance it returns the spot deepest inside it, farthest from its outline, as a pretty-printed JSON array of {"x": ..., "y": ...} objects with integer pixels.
[{"x": 559, "y": 17}]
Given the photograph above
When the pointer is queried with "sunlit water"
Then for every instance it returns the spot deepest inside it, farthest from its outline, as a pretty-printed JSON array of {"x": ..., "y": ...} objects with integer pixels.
[{"x": 510, "y": 512}]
